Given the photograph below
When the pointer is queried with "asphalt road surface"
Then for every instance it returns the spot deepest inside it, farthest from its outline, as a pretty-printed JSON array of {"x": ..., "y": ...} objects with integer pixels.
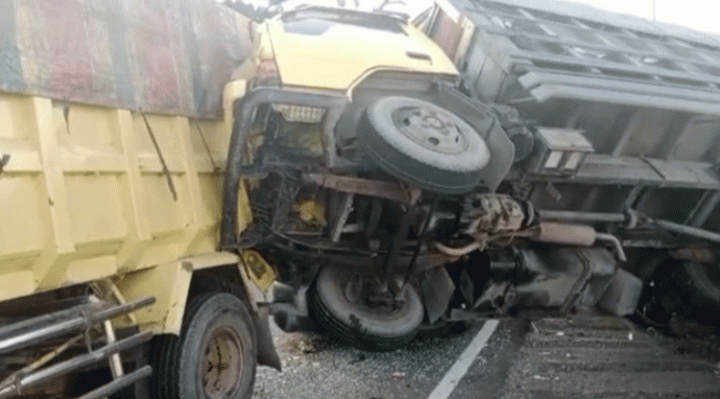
[{"x": 581, "y": 356}]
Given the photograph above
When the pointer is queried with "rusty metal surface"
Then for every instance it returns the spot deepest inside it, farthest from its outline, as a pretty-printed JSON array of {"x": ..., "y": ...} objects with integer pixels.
[
  {"x": 169, "y": 57},
  {"x": 354, "y": 185},
  {"x": 493, "y": 213}
]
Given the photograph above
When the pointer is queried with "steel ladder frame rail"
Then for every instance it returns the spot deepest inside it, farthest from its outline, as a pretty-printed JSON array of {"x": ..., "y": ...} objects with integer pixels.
[
  {"x": 38, "y": 329},
  {"x": 33, "y": 331}
]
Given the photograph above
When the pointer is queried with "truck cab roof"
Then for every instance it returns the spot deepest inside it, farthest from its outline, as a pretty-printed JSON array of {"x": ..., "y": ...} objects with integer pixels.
[{"x": 330, "y": 48}]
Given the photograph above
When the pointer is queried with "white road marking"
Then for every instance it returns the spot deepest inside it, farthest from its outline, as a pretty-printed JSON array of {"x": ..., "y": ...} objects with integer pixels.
[{"x": 463, "y": 363}]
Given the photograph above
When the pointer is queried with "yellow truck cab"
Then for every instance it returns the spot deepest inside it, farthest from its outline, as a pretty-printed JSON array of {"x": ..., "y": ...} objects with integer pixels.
[
  {"x": 345, "y": 135},
  {"x": 393, "y": 192}
]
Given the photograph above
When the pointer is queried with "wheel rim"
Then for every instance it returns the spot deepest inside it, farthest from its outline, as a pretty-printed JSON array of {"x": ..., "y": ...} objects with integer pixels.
[
  {"x": 356, "y": 292},
  {"x": 430, "y": 128},
  {"x": 221, "y": 364}
]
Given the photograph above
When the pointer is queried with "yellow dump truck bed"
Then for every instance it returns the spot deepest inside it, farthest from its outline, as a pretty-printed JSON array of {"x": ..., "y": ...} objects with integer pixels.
[
  {"x": 83, "y": 191},
  {"x": 85, "y": 195}
]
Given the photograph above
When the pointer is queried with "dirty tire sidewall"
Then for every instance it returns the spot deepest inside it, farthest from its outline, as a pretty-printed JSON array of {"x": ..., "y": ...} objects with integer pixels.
[
  {"x": 179, "y": 368},
  {"x": 702, "y": 301},
  {"x": 358, "y": 327},
  {"x": 402, "y": 157}
]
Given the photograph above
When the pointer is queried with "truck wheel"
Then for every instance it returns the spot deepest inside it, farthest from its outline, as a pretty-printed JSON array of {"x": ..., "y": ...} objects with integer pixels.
[
  {"x": 423, "y": 143},
  {"x": 686, "y": 288},
  {"x": 214, "y": 357},
  {"x": 338, "y": 305},
  {"x": 699, "y": 288}
]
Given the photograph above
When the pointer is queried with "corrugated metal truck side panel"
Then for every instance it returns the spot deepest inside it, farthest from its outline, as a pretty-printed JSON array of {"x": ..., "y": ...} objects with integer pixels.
[
  {"x": 83, "y": 192},
  {"x": 84, "y": 195}
]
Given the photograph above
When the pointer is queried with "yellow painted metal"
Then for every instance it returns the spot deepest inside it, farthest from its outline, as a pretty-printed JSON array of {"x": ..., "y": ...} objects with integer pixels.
[
  {"x": 312, "y": 212},
  {"x": 234, "y": 90},
  {"x": 83, "y": 197},
  {"x": 169, "y": 283},
  {"x": 258, "y": 270},
  {"x": 305, "y": 60}
]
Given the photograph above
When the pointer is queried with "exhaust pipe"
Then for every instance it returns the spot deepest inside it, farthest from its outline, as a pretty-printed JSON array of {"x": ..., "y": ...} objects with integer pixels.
[{"x": 578, "y": 235}]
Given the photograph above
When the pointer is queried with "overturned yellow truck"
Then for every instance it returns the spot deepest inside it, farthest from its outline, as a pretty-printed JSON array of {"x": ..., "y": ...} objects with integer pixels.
[{"x": 489, "y": 157}]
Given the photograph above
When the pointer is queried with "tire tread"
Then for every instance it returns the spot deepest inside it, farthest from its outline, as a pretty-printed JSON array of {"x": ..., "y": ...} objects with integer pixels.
[
  {"x": 353, "y": 336},
  {"x": 166, "y": 381}
]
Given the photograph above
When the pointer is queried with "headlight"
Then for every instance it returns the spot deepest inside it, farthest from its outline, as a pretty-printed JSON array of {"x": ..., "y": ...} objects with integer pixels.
[{"x": 297, "y": 113}]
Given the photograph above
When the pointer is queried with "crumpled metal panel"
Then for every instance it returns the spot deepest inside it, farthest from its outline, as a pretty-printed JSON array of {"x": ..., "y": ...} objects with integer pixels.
[{"x": 169, "y": 56}]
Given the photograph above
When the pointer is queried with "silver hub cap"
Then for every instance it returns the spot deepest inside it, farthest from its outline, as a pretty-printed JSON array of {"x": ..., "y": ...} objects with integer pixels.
[{"x": 432, "y": 129}]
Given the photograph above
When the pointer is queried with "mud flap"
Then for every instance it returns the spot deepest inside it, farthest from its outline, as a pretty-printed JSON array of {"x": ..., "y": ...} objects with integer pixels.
[
  {"x": 254, "y": 268},
  {"x": 267, "y": 354}
]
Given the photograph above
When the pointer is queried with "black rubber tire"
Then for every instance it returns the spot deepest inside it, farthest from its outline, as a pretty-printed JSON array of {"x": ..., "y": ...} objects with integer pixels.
[
  {"x": 357, "y": 325},
  {"x": 177, "y": 373},
  {"x": 684, "y": 288},
  {"x": 396, "y": 150},
  {"x": 699, "y": 291}
]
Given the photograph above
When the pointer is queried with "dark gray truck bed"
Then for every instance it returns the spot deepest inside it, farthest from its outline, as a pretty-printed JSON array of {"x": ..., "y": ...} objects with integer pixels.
[{"x": 646, "y": 95}]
